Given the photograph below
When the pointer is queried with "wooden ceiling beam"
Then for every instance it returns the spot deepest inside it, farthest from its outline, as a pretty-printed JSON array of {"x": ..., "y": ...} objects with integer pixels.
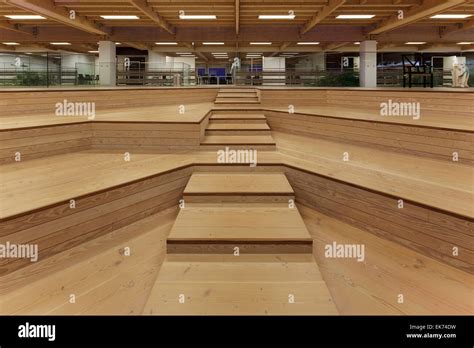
[
  {"x": 463, "y": 26},
  {"x": 148, "y": 11},
  {"x": 193, "y": 49},
  {"x": 414, "y": 14},
  {"x": 14, "y": 27},
  {"x": 332, "y": 6},
  {"x": 48, "y": 9},
  {"x": 334, "y": 46},
  {"x": 237, "y": 17},
  {"x": 136, "y": 45}
]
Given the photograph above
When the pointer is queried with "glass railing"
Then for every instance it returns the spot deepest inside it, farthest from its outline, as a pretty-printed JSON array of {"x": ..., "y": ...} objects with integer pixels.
[{"x": 154, "y": 74}]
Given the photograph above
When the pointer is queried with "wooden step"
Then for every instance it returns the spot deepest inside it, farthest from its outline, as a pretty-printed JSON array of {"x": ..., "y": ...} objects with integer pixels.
[
  {"x": 236, "y": 101},
  {"x": 244, "y": 285},
  {"x": 237, "y": 126},
  {"x": 224, "y": 117},
  {"x": 236, "y": 95},
  {"x": 264, "y": 229},
  {"x": 238, "y": 140},
  {"x": 237, "y": 129},
  {"x": 238, "y": 187},
  {"x": 238, "y": 90}
]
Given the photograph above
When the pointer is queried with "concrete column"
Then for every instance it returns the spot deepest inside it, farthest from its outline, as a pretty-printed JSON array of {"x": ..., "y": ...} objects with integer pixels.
[
  {"x": 107, "y": 66},
  {"x": 368, "y": 63}
]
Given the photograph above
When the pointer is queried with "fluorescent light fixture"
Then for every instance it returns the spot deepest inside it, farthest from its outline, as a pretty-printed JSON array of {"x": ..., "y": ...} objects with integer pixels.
[
  {"x": 118, "y": 43},
  {"x": 308, "y": 43},
  {"x": 288, "y": 16},
  {"x": 10, "y": 43},
  {"x": 465, "y": 43},
  {"x": 93, "y": 51},
  {"x": 25, "y": 17},
  {"x": 188, "y": 55},
  {"x": 415, "y": 43},
  {"x": 221, "y": 57},
  {"x": 183, "y": 53},
  {"x": 213, "y": 43},
  {"x": 28, "y": 53},
  {"x": 119, "y": 17},
  {"x": 451, "y": 16},
  {"x": 183, "y": 16},
  {"x": 219, "y": 53},
  {"x": 357, "y": 43},
  {"x": 60, "y": 43},
  {"x": 260, "y": 43},
  {"x": 355, "y": 16},
  {"x": 166, "y": 43}
]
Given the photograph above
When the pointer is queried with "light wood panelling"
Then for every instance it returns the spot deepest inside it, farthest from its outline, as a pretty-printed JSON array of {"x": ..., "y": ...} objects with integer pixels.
[
  {"x": 412, "y": 226},
  {"x": 420, "y": 141}
]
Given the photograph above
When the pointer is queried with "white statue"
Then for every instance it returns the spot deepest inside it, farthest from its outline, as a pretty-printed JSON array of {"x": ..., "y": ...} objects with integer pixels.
[
  {"x": 460, "y": 75},
  {"x": 235, "y": 65}
]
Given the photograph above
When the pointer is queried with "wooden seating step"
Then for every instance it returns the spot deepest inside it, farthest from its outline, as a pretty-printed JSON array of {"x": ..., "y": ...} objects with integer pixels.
[
  {"x": 219, "y": 229},
  {"x": 248, "y": 284},
  {"x": 238, "y": 187}
]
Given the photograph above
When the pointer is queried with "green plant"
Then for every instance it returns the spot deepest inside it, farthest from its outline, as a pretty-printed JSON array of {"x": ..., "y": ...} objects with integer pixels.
[{"x": 344, "y": 79}]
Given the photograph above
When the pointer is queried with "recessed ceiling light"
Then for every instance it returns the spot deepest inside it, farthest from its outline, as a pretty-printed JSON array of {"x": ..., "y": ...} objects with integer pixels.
[
  {"x": 260, "y": 43},
  {"x": 118, "y": 43},
  {"x": 188, "y": 55},
  {"x": 213, "y": 43},
  {"x": 25, "y": 17},
  {"x": 357, "y": 43},
  {"x": 465, "y": 43},
  {"x": 355, "y": 16},
  {"x": 288, "y": 16},
  {"x": 451, "y": 16},
  {"x": 60, "y": 43},
  {"x": 10, "y": 43},
  {"x": 308, "y": 43},
  {"x": 119, "y": 17},
  {"x": 28, "y": 53},
  {"x": 415, "y": 43},
  {"x": 93, "y": 51},
  {"x": 183, "y": 16},
  {"x": 166, "y": 43}
]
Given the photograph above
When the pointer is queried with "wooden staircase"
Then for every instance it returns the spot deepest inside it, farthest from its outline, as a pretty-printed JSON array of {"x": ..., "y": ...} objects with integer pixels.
[
  {"x": 238, "y": 96},
  {"x": 238, "y": 247},
  {"x": 238, "y": 129}
]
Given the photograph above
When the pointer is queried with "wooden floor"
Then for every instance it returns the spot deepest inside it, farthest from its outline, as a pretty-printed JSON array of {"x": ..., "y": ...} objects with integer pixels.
[{"x": 183, "y": 261}]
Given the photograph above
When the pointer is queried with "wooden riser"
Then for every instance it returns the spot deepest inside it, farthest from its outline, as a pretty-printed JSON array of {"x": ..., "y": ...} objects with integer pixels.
[
  {"x": 239, "y": 120},
  {"x": 238, "y": 132},
  {"x": 229, "y": 248},
  {"x": 236, "y": 95},
  {"x": 212, "y": 126},
  {"x": 238, "y": 198},
  {"x": 236, "y": 101},
  {"x": 228, "y": 140}
]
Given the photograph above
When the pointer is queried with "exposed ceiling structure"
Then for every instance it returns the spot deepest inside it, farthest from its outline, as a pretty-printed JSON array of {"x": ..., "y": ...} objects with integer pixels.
[{"x": 236, "y": 27}]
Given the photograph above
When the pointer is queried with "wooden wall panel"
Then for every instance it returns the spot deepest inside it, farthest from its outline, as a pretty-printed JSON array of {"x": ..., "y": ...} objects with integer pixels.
[
  {"x": 433, "y": 233},
  {"x": 420, "y": 141},
  {"x": 44, "y": 141},
  {"x": 58, "y": 228},
  {"x": 25, "y": 103}
]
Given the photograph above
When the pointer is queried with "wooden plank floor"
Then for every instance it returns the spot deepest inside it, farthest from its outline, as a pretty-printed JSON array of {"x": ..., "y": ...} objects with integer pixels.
[{"x": 372, "y": 287}]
